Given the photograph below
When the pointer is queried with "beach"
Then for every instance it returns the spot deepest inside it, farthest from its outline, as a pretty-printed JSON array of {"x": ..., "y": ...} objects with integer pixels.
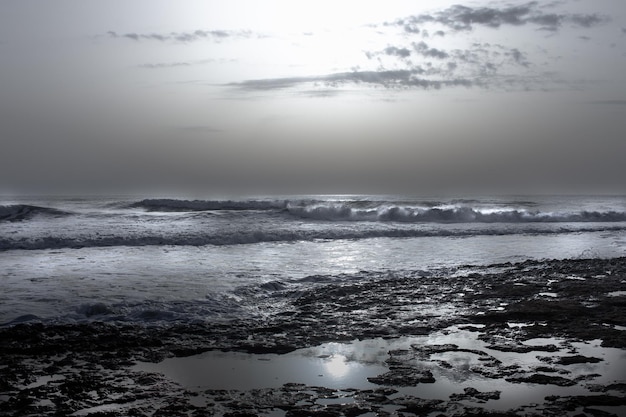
[
  {"x": 529, "y": 338},
  {"x": 314, "y": 208}
]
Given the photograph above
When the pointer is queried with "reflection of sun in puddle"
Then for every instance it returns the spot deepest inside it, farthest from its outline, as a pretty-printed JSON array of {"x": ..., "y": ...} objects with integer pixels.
[
  {"x": 468, "y": 363},
  {"x": 337, "y": 366}
]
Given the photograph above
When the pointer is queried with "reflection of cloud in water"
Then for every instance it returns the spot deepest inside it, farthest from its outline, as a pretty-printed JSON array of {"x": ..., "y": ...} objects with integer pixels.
[{"x": 460, "y": 363}]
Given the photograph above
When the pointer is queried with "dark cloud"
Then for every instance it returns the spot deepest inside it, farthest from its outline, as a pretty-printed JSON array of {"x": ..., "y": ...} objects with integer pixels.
[
  {"x": 487, "y": 65},
  {"x": 550, "y": 22},
  {"x": 518, "y": 57},
  {"x": 385, "y": 78},
  {"x": 423, "y": 49},
  {"x": 462, "y": 17},
  {"x": 420, "y": 48},
  {"x": 411, "y": 29},
  {"x": 400, "y": 52},
  {"x": 132, "y": 36},
  {"x": 586, "y": 20},
  {"x": 459, "y": 17},
  {"x": 215, "y": 35}
]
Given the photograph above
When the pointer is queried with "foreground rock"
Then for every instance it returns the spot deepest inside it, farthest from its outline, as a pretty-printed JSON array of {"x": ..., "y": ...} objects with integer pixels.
[{"x": 84, "y": 369}]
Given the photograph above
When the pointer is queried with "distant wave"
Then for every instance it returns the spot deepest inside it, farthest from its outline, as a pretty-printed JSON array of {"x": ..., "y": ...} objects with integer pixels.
[
  {"x": 396, "y": 213},
  {"x": 456, "y": 211},
  {"x": 19, "y": 212},
  {"x": 251, "y": 237},
  {"x": 206, "y": 205}
]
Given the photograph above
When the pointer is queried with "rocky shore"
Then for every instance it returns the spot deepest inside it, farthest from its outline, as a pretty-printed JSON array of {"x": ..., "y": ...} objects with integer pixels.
[{"x": 541, "y": 311}]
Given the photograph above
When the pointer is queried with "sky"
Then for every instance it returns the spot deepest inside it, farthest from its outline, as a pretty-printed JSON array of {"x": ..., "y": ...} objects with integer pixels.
[{"x": 313, "y": 96}]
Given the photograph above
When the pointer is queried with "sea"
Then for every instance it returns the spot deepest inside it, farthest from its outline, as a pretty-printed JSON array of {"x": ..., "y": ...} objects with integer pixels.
[{"x": 158, "y": 260}]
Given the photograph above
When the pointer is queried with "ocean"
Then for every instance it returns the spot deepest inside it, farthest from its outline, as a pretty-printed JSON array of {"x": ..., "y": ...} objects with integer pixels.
[{"x": 161, "y": 260}]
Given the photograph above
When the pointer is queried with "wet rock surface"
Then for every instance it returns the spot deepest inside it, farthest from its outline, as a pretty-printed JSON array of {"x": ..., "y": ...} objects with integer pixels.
[
  {"x": 86, "y": 369},
  {"x": 470, "y": 393}
]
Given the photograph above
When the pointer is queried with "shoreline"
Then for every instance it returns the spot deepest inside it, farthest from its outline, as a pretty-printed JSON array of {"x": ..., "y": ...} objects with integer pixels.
[{"x": 87, "y": 369}]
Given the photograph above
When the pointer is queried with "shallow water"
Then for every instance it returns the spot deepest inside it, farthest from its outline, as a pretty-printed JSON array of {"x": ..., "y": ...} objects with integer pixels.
[
  {"x": 126, "y": 259},
  {"x": 348, "y": 365},
  {"x": 189, "y": 283}
]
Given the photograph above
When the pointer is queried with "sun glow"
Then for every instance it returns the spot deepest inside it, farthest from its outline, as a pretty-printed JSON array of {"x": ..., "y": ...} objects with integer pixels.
[{"x": 337, "y": 366}]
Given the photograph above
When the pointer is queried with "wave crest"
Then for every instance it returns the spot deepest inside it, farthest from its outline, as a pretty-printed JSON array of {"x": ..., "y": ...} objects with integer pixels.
[
  {"x": 396, "y": 213},
  {"x": 168, "y": 204},
  {"x": 18, "y": 212},
  {"x": 458, "y": 211}
]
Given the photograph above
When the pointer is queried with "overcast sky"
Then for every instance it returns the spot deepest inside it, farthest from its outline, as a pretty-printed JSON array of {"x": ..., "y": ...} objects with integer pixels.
[{"x": 313, "y": 96}]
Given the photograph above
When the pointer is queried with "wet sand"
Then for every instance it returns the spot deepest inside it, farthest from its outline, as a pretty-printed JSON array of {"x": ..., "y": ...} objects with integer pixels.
[{"x": 534, "y": 338}]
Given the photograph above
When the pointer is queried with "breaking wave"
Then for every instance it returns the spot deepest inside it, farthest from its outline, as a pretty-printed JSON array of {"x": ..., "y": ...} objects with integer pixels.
[
  {"x": 20, "y": 212},
  {"x": 458, "y": 211},
  {"x": 394, "y": 213},
  {"x": 207, "y": 205}
]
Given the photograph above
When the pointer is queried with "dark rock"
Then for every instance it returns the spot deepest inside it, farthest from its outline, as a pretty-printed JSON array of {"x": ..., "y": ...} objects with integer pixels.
[
  {"x": 547, "y": 369},
  {"x": 615, "y": 387},
  {"x": 420, "y": 406},
  {"x": 571, "y": 403},
  {"x": 569, "y": 360},
  {"x": 95, "y": 358},
  {"x": 472, "y": 393},
  {"x": 543, "y": 379},
  {"x": 403, "y": 377},
  {"x": 598, "y": 413},
  {"x": 516, "y": 347}
]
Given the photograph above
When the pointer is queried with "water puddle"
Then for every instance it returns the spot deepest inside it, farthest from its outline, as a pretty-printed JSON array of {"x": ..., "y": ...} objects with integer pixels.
[
  {"x": 332, "y": 365},
  {"x": 342, "y": 366}
]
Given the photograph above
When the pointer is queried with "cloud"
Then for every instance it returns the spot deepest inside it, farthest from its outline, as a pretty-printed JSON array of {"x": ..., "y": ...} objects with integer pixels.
[
  {"x": 321, "y": 93},
  {"x": 459, "y": 17},
  {"x": 399, "y": 52},
  {"x": 423, "y": 49},
  {"x": 550, "y": 22},
  {"x": 384, "y": 78},
  {"x": 585, "y": 20},
  {"x": 165, "y": 65},
  {"x": 197, "y": 35},
  {"x": 518, "y": 57},
  {"x": 481, "y": 64},
  {"x": 177, "y": 64},
  {"x": 462, "y": 17},
  {"x": 420, "y": 48}
]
